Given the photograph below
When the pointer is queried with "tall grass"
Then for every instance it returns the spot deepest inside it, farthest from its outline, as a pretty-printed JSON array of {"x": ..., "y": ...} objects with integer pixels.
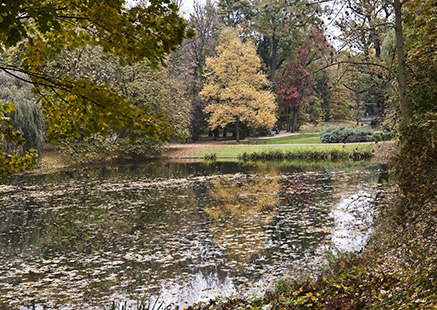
[{"x": 311, "y": 154}]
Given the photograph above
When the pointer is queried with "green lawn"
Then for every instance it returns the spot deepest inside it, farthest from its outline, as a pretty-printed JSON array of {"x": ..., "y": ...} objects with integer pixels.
[
  {"x": 238, "y": 150},
  {"x": 295, "y": 139}
]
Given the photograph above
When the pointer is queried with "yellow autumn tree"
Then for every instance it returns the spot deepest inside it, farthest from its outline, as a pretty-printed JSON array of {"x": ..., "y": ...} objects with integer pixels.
[
  {"x": 242, "y": 208},
  {"x": 236, "y": 91}
]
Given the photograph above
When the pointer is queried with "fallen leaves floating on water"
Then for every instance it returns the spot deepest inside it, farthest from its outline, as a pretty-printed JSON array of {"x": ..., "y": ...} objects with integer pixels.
[{"x": 70, "y": 239}]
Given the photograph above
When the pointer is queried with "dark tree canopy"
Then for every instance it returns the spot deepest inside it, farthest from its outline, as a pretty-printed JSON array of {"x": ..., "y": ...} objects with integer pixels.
[{"x": 33, "y": 32}]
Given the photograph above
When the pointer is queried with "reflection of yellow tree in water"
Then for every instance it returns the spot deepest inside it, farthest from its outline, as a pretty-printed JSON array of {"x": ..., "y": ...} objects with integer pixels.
[{"x": 243, "y": 207}]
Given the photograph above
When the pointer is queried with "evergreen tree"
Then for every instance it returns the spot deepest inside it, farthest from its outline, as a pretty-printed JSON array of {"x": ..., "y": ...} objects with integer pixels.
[{"x": 281, "y": 27}]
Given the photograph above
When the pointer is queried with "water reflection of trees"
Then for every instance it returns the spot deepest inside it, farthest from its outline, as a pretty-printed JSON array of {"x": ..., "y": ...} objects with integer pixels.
[
  {"x": 279, "y": 217},
  {"x": 126, "y": 230},
  {"x": 304, "y": 212},
  {"x": 304, "y": 219},
  {"x": 244, "y": 205}
]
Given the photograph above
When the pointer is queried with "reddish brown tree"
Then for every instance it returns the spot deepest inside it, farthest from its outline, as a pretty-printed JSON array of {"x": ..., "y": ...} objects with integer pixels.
[
  {"x": 294, "y": 86},
  {"x": 296, "y": 82}
]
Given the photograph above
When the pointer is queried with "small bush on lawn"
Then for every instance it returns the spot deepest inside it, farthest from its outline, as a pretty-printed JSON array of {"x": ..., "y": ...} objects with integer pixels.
[
  {"x": 334, "y": 134},
  {"x": 339, "y": 134}
]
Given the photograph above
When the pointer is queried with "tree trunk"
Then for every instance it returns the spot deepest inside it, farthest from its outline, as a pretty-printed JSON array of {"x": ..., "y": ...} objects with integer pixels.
[
  {"x": 237, "y": 130},
  {"x": 288, "y": 118},
  {"x": 295, "y": 114},
  {"x": 377, "y": 46},
  {"x": 380, "y": 102},
  {"x": 195, "y": 106},
  {"x": 275, "y": 42},
  {"x": 402, "y": 76}
]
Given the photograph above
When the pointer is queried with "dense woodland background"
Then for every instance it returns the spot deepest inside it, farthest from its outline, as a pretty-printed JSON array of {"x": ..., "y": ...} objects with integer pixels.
[{"x": 310, "y": 75}]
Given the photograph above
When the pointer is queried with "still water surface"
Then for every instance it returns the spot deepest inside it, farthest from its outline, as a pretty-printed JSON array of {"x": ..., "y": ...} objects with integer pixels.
[{"x": 183, "y": 232}]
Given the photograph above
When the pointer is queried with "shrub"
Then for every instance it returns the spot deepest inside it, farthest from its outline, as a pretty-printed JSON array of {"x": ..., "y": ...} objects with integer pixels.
[
  {"x": 377, "y": 136},
  {"x": 357, "y": 138},
  {"x": 338, "y": 134},
  {"x": 416, "y": 164},
  {"x": 380, "y": 136},
  {"x": 334, "y": 134}
]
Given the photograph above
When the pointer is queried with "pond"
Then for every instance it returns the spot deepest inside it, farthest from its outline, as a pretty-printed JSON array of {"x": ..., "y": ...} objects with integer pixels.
[{"x": 182, "y": 232}]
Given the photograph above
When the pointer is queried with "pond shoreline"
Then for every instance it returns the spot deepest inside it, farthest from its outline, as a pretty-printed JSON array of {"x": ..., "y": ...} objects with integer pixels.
[{"x": 53, "y": 161}]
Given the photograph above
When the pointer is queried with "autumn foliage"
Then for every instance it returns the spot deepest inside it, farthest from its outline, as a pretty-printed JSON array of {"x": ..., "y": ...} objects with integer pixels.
[
  {"x": 296, "y": 82},
  {"x": 34, "y": 33},
  {"x": 236, "y": 90}
]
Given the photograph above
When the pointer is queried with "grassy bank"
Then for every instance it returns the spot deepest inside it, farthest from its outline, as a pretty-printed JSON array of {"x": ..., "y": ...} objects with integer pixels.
[
  {"x": 322, "y": 151},
  {"x": 293, "y": 139},
  {"x": 314, "y": 154}
]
